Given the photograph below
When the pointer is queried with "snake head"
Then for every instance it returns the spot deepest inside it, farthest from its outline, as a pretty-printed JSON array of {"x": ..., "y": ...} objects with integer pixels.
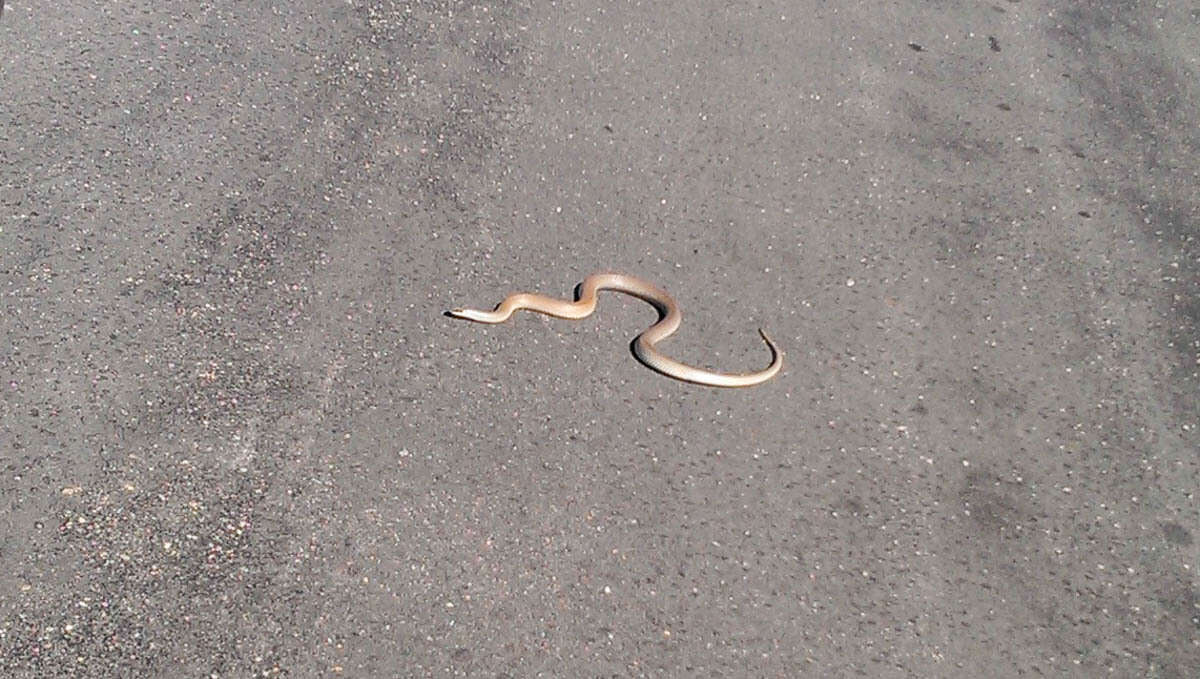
[{"x": 473, "y": 315}]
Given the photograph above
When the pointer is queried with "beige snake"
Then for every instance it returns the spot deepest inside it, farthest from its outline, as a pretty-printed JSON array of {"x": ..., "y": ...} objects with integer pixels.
[{"x": 643, "y": 346}]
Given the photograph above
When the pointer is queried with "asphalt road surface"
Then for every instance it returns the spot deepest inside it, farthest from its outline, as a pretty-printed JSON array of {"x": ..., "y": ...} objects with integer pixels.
[{"x": 238, "y": 438}]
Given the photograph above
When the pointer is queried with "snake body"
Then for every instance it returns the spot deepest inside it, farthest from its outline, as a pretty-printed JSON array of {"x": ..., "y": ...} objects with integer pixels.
[{"x": 644, "y": 346}]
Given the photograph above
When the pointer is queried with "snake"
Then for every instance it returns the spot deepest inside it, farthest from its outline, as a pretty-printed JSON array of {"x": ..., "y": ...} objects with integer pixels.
[{"x": 644, "y": 347}]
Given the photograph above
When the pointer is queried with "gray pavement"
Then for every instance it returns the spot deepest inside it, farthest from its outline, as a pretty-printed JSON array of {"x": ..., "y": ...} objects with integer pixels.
[{"x": 239, "y": 439}]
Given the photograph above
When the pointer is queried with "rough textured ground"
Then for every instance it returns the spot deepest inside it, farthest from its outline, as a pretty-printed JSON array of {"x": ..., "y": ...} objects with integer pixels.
[{"x": 238, "y": 439}]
